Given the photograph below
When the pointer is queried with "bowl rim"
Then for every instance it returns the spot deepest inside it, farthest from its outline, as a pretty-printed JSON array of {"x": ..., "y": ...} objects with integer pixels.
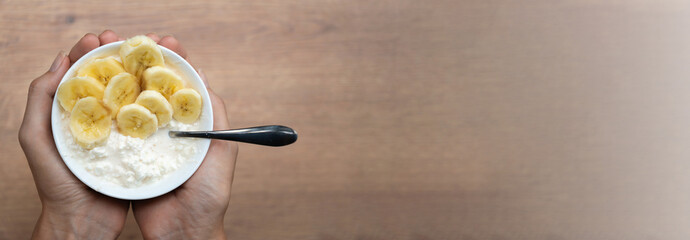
[{"x": 151, "y": 190}]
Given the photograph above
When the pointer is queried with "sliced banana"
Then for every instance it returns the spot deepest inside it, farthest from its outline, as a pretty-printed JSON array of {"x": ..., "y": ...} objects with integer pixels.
[
  {"x": 139, "y": 53},
  {"x": 135, "y": 120},
  {"x": 90, "y": 122},
  {"x": 186, "y": 105},
  {"x": 157, "y": 104},
  {"x": 122, "y": 89},
  {"x": 163, "y": 80},
  {"x": 101, "y": 69},
  {"x": 76, "y": 88}
]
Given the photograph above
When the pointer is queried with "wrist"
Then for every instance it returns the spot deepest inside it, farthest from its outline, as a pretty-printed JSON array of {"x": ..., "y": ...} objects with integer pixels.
[
  {"x": 55, "y": 225},
  {"x": 187, "y": 231}
]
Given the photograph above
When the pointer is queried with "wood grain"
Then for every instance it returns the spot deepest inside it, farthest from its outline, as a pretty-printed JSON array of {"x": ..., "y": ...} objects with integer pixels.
[{"x": 417, "y": 119}]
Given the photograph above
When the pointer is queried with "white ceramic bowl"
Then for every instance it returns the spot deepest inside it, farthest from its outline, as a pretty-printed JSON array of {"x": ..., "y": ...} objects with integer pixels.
[{"x": 170, "y": 181}]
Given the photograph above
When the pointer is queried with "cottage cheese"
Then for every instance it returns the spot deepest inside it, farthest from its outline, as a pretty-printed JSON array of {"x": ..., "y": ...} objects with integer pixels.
[{"x": 132, "y": 162}]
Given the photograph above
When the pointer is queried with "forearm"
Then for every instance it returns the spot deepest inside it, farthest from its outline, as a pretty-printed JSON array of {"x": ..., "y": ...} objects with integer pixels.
[{"x": 56, "y": 226}]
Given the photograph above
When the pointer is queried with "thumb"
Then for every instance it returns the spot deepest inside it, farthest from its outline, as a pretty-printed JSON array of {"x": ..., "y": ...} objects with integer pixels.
[
  {"x": 220, "y": 117},
  {"x": 35, "y": 134},
  {"x": 40, "y": 97}
]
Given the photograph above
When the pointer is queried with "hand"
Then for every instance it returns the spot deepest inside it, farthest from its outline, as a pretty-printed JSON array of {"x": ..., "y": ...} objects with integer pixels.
[
  {"x": 70, "y": 208},
  {"x": 196, "y": 209}
]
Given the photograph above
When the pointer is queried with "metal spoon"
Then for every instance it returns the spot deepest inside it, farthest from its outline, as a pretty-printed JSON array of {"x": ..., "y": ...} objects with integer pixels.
[{"x": 274, "y": 135}]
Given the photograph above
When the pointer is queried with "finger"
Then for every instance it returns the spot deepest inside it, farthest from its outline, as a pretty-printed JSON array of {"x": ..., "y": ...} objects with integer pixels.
[
  {"x": 203, "y": 77},
  {"x": 153, "y": 36},
  {"x": 190, "y": 62},
  {"x": 35, "y": 133},
  {"x": 87, "y": 43},
  {"x": 219, "y": 164},
  {"x": 171, "y": 43},
  {"x": 107, "y": 36},
  {"x": 41, "y": 92},
  {"x": 220, "y": 118}
]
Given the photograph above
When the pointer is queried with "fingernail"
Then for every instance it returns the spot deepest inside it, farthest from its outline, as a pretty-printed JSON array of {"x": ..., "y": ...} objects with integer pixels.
[
  {"x": 203, "y": 77},
  {"x": 57, "y": 62}
]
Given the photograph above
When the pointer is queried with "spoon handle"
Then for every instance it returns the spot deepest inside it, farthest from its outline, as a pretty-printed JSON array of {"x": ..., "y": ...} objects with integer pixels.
[{"x": 274, "y": 135}]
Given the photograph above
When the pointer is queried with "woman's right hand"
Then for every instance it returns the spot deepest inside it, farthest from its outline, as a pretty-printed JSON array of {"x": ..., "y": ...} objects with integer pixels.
[{"x": 196, "y": 209}]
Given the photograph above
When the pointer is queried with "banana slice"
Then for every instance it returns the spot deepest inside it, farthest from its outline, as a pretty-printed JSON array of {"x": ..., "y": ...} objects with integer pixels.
[
  {"x": 135, "y": 120},
  {"x": 121, "y": 90},
  {"x": 101, "y": 69},
  {"x": 163, "y": 80},
  {"x": 139, "y": 53},
  {"x": 90, "y": 122},
  {"x": 157, "y": 104},
  {"x": 186, "y": 105},
  {"x": 76, "y": 88}
]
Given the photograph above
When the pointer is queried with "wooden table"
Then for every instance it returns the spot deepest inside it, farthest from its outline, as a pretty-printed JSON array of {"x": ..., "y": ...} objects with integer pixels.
[{"x": 417, "y": 119}]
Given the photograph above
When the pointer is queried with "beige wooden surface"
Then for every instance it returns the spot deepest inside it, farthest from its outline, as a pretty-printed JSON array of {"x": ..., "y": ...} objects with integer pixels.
[{"x": 480, "y": 119}]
